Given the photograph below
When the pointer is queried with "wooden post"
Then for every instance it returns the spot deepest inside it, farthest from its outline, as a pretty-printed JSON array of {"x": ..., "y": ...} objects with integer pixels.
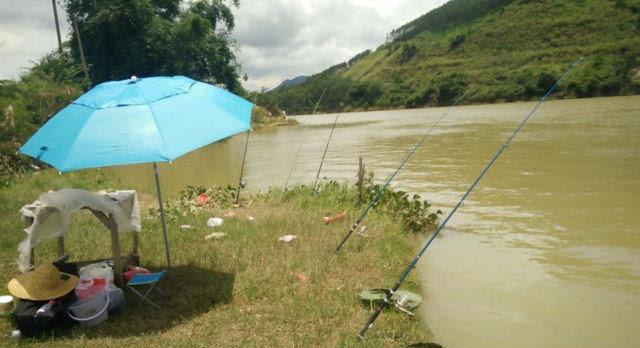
[
  {"x": 60, "y": 247},
  {"x": 360, "y": 183},
  {"x": 55, "y": 16},
  {"x": 84, "y": 61},
  {"x": 32, "y": 258},
  {"x": 115, "y": 246},
  {"x": 135, "y": 250}
]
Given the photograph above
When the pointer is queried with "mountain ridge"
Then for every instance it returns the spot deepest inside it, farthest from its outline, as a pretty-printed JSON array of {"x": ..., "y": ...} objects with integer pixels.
[{"x": 501, "y": 50}]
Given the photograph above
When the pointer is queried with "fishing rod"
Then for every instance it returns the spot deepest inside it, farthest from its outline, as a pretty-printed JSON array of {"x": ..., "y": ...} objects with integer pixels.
[
  {"x": 319, "y": 99},
  {"x": 302, "y": 141},
  {"x": 293, "y": 164},
  {"x": 413, "y": 263},
  {"x": 384, "y": 188},
  {"x": 325, "y": 151},
  {"x": 241, "y": 183}
]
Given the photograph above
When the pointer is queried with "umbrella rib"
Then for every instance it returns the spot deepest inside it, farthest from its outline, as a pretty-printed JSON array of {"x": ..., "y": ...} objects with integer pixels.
[
  {"x": 165, "y": 154},
  {"x": 70, "y": 148}
]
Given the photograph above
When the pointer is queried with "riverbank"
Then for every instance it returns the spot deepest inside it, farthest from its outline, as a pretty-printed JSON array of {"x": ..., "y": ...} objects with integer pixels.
[
  {"x": 261, "y": 118},
  {"x": 245, "y": 289}
]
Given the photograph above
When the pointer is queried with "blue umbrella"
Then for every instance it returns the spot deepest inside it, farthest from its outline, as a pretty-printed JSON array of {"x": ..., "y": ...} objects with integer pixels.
[{"x": 155, "y": 119}]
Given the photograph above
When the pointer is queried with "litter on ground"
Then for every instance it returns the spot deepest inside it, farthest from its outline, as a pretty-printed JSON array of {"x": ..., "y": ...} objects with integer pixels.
[
  {"x": 338, "y": 217},
  {"x": 214, "y": 222},
  {"x": 215, "y": 235},
  {"x": 287, "y": 238}
]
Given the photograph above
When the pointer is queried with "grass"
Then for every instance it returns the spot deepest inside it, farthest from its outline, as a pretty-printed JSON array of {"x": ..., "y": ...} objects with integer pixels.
[
  {"x": 260, "y": 119},
  {"x": 241, "y": 290}
]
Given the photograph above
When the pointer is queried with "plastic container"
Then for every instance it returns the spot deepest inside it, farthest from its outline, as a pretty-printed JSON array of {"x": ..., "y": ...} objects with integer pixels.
[
  {"x": 97, "y": 270},
  {"x": 6, "y": 304},
  {"x": 133, "y": 270},
  {"x": 117, "y": 302},
  {"x": 91, "y": 311},
  {"x": 88, "y": 288}
]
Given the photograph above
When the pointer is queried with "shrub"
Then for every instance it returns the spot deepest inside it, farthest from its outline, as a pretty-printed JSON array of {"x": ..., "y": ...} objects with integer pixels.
[
  {"x": 408, "y": 52},
  {"x": 456, "y": 41}
]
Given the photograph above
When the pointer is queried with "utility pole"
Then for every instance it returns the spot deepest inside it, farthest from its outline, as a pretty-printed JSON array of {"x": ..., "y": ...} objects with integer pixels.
[{"x": 55, "y": 15}]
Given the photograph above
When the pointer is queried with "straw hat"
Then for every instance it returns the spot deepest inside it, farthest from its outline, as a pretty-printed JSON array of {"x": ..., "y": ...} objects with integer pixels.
[{"x": 43, "y": 283}]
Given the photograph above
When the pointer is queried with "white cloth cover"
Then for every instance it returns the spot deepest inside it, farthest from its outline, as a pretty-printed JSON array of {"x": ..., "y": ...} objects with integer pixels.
[{"x": 51, "y": 213}]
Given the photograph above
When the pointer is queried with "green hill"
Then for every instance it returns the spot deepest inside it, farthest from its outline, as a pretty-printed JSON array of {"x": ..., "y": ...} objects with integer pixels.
[{"x": 500, "y": 50}]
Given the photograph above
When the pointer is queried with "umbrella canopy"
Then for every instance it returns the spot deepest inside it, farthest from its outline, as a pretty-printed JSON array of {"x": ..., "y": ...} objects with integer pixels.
[{"x": 155, "y": 119}]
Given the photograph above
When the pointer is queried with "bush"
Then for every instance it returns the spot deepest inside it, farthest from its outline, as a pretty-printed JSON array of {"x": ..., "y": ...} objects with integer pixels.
[
  {"x": 456, "y": 41},
  {"x": 408, "y": 52}
]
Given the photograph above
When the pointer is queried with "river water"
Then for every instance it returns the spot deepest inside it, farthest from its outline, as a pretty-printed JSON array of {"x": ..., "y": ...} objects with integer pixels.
[{"x": 546, "y": 251}]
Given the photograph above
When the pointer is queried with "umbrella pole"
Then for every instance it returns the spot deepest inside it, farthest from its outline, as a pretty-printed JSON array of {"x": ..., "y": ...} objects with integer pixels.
[{"x": 160, "y": 205}]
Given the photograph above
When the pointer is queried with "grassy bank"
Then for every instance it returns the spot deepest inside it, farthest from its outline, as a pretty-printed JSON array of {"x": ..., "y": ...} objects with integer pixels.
[
  {"x": 242, "y": 290},
  {"x": 261, "y": 118}
]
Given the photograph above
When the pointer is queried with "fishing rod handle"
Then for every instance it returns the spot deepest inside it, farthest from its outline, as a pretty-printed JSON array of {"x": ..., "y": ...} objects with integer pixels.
[{"x": 383, "y": 304}]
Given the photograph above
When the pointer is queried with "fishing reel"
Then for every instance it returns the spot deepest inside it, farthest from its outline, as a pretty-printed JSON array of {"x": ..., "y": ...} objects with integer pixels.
[{"x": 403, "y": 304}]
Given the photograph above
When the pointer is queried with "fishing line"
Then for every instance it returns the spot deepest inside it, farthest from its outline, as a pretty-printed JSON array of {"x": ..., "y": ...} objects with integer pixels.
[
  {"x": 428, "y": 242},
  {"x": 384, "y": 188},
  {"x": 295, "y": 160},
  {"x": 241, "y": 183},
  {"x": 325, "y": 151}
]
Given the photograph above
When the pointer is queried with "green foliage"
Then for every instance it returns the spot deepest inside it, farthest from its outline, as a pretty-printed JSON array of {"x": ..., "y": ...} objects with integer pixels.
[
  {"x": 456, "y": 41},
  {"x": 268, "y": 105},
  {"x": 364, "y": 93},
  {"x": 410, "y": 211},
  {"x": 406, "y": 53},
  {"x": 197, "y": 199},
  {"x": 443, "y": 89},
  {"x": 454, "y": 12},
  {"x": 358, "y": 56},
  {"x": 157, "y": 37},
  {"x": 27, "y": 104},
  {"x": 498, "y": 50}
]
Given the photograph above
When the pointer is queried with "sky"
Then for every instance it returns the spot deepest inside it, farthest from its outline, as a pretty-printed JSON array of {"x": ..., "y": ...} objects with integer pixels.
[{"x": 276, "y": 39}]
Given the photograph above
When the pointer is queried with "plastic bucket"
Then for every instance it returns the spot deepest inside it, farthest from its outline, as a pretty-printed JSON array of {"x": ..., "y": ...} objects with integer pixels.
[
  {"x": 89, "y": 287},
  {"x": 97, "y": 270},
  {"x": 91, "y": 311}
]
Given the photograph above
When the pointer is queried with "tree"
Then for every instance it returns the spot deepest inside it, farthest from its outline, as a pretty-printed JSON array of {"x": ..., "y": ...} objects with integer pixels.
[{"x": 122, "y": 38}]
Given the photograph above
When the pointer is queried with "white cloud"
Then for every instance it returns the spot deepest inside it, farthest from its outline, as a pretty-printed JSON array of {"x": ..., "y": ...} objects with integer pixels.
[
  {"x": 27, "y": 32},
  {"x": 278, "y": 39}
]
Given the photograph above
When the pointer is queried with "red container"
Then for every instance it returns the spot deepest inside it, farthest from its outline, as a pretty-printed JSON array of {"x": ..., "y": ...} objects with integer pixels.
[
  {"x": 88, "y": 288},
  {"x": 132, "y": 271}
]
